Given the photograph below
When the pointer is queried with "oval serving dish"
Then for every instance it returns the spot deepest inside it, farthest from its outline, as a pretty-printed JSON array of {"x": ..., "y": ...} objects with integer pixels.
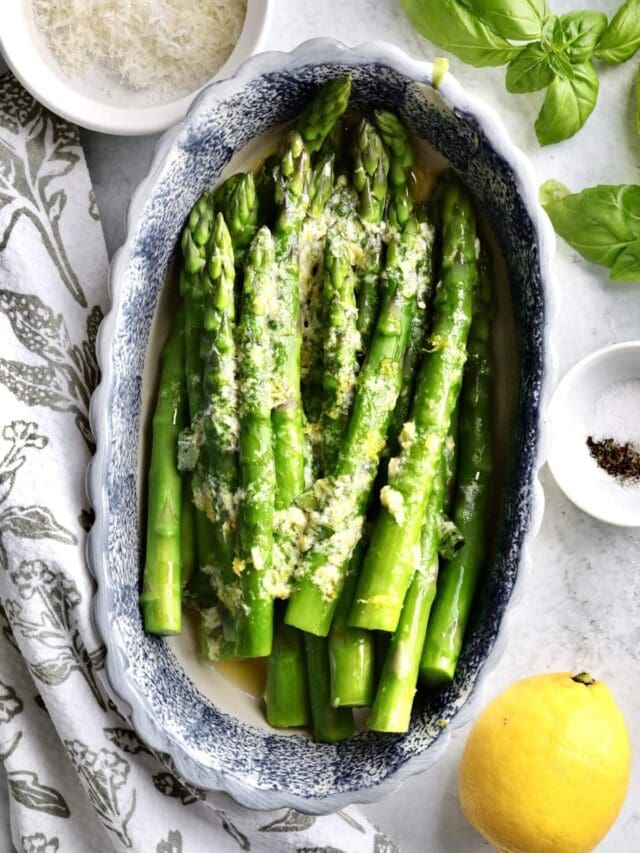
[{"x": 217, "y": 742}]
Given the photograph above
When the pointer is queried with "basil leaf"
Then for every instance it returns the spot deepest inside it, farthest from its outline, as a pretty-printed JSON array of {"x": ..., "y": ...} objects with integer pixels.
[
  {"x": 567, "y": 105},
  {"x": 582, "y": 31},
  {"x": 627, "y": 264},
  {"x": 621, "y": 39},
  {"x": 511, "y": 19},
  {"x": 561, "y": 66},
  {"x": 454, "y": 27},
  {"x": 599, "y": 222},
  {"x": 552, "y": 36},
  {"x": 529, "y": 71}
]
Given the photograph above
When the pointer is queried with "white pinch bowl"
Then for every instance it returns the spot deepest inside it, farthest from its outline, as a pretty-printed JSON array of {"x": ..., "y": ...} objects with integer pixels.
[
  {"x": 86, "y": 104},
  {"x": 571, "y": 408}
]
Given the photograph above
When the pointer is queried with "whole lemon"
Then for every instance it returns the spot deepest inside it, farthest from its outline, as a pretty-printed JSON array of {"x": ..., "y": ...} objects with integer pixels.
[{"x": 546, "y": 766}]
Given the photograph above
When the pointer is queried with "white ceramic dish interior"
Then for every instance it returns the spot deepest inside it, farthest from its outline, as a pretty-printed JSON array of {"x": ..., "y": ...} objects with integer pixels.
[
  {"x": 26, "y": 52},
  {"x": 571, "y": 414}
]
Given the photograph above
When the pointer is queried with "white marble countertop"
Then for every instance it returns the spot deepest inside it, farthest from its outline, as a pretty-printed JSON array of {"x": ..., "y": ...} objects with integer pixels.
[{"x": 581, "y": 606}]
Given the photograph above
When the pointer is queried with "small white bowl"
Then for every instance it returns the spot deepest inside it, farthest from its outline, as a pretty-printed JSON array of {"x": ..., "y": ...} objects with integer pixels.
[
  {"x": 570, "y": 412},
  {"x": 27, "y": 54}
]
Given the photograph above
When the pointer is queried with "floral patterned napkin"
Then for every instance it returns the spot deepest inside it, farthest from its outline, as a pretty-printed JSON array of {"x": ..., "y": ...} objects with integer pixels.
[{"x": 78, "y": 777}]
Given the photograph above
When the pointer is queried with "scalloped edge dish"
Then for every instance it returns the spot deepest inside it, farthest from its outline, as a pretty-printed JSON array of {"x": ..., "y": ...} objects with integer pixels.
[{"x": 189, "y": 764}]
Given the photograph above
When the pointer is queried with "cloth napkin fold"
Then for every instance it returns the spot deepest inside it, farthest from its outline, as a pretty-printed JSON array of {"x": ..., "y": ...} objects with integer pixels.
[{"x": 78, "y": 777}]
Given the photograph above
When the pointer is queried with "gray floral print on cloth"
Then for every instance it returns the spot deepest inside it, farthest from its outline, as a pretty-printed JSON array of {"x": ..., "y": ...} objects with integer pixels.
[
  {"x": 28, "y": 522},
  {"x": 105, "y": 775},
  {"x": 65, "y": 374},
  {"x": 26, "y": 789},
  {"x": 38, "y": 843},
  {"x": 37, "y": 149}
]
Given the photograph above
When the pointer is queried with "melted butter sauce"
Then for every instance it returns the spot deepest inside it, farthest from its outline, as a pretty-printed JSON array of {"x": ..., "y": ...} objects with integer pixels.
[
  {"x": 424, "y": 180},
  {"x": 250, "y": 675}
]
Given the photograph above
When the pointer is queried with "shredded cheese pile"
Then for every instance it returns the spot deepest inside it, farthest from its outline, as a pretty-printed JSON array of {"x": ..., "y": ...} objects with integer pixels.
[{"x": 168, "y": 47}]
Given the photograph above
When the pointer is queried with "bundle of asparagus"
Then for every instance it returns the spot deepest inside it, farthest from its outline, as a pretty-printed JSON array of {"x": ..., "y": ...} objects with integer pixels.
[{"x": 323, "y": 411}]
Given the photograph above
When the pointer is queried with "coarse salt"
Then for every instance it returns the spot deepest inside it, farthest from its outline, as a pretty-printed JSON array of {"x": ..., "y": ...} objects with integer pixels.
[{"x": 616, "y": 414}]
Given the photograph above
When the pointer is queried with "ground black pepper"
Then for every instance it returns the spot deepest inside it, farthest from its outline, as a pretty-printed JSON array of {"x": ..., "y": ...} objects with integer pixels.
[{"x": 621, "y": 461}]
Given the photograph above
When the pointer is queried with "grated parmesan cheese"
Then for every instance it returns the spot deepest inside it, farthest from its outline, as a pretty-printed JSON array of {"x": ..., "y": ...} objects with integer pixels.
[{"x": 164, "y": 47}]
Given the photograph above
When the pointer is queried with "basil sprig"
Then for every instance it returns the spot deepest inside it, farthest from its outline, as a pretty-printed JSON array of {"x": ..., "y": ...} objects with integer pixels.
[
  {"x": 557, "y": 56},
  {"x": 601, "y": 223}
]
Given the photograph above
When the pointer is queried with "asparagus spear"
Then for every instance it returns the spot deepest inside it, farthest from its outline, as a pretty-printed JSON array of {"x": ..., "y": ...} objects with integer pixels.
[
  {"x": 419, "y": 335},
  {"x": 329, "y": 724},
  {"x": 395, "y": 137},
  {"x": 391, "y": 709},
  {"x": 349, "y": 653},
  {"x": 195, "y": 238},
  {"x": 383, "y": 583},
  {"x": 351, "y": 650},
  {"x": 287, "y": 696},
  {"x": 220, "y": 413},
  {"x": 292, "y": 198},
  {"x": 312, "y": 239},
  {"x": 336, "y": 529},
  {"x": 342, "y": 342},
  {"x": 290, "y": 681},
  {"x": 371, "y": 165},
  {"x": 459, "y": 578},
  {"x": 161, "y": 598},
  {"x": 255, "y": 614},
  {"x": 323, "y": 111},
  {"x": 236, "y": 199}
]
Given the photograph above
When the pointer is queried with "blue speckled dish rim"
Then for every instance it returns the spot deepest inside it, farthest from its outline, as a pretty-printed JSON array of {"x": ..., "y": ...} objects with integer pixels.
[{"x": 316, "y": 51}]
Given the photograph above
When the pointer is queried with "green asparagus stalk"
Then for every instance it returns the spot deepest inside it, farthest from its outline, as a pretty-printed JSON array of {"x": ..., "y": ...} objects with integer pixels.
[
  {"x": 161, "y": 598},
  {"x": 287, "y": 696},
  {"x": 195, "y": 239},
  {"x": 312, "y": 239},
  {"x": 391, "y": 709},
  {"x": 288, "y": 421},
  {"x": 220, "y": 414},
  {"x": 383, "y": 584},
  {"x": 236, "y": 199},
  {"x": 335, "y": 144},
  {"x": 323, "y": 112},
  {"x": 419, "y": 335},
  {"x": 255, "y": 614},
  {"x": 337, "y": 528},
  {"x": 340, "y": 220},
  {"x": 329, "y": 724},
  {"x": 371, "y": 165},
  {"x": 292, "y": 197},
  {"x": 396, "y": 138},
  {"x": 342, "y": 342},
  {"x": 459, "y": 578},
  {"x": 351, "y": 650}
]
